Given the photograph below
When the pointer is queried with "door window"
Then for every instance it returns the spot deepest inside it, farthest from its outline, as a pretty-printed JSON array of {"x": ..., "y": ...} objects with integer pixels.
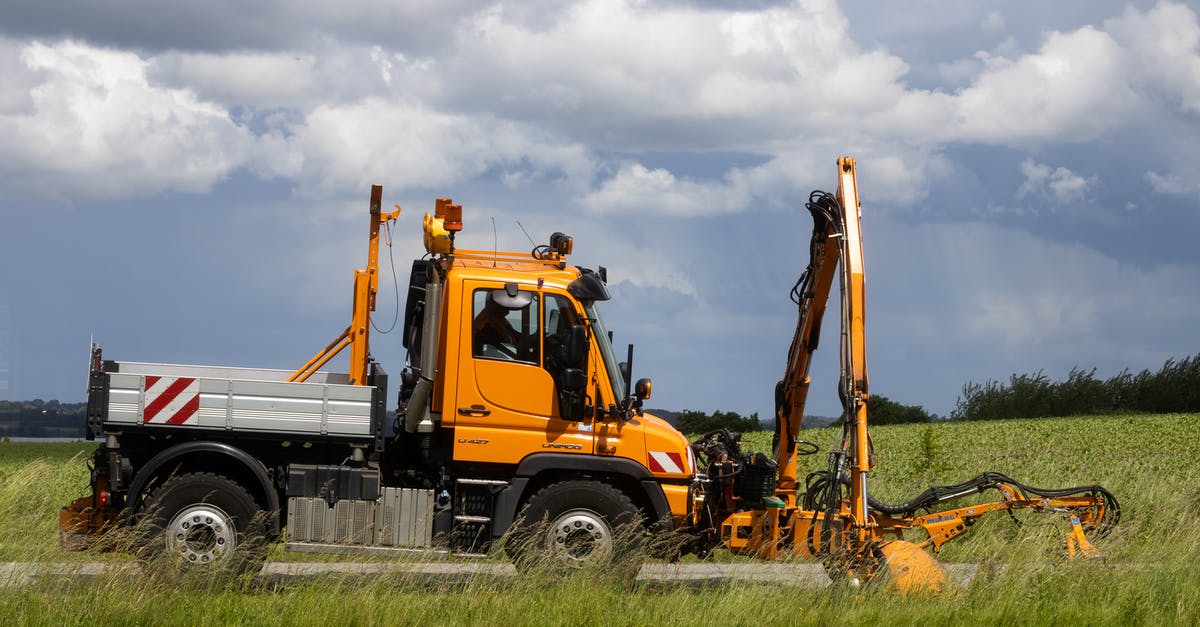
[{"x": 505, "y": 327}]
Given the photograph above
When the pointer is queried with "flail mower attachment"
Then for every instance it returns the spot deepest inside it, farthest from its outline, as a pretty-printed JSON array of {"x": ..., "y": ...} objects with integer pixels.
[{"x": 1091, "y": 511}]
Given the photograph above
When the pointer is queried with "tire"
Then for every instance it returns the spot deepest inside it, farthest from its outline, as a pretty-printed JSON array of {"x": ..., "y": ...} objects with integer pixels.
[
  {"x": 203, "y": 522},
  {"x": 574, "y": 525}
]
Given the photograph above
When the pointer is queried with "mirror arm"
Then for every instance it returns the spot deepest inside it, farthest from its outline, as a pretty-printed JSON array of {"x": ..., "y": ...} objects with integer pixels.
[{"x": 629, "y": 373}]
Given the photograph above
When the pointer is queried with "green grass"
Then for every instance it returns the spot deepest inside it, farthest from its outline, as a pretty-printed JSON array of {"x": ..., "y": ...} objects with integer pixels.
[
  {"x": 1149, "y": 574},
  {"x": 35, "y": 481}
]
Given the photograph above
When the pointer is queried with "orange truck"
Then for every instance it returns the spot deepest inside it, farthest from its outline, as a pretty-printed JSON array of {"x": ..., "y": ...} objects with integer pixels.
[{"x": 516, "y": 423}]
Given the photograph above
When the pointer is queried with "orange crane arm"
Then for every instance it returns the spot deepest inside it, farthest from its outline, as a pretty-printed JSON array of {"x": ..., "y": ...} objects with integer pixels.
[
  {"x": 811, "y": 294},
  {"x": 836, "y": 241}
]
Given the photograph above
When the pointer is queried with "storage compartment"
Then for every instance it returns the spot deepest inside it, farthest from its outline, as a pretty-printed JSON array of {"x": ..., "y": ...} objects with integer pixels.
[{"x": 402, "y": 518}]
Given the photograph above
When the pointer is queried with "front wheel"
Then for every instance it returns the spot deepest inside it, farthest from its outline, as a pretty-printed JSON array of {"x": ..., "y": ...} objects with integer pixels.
[
  {"x": 204, "y": 522},
  {"x": 573, "y": 525}
]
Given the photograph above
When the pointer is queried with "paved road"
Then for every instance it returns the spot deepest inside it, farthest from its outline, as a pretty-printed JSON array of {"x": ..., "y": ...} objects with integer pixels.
[{"x": 804, "y": 575}]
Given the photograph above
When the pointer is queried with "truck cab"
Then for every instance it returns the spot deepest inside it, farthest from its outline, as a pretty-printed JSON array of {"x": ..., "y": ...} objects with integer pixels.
[{"x": 524, "y": 388}]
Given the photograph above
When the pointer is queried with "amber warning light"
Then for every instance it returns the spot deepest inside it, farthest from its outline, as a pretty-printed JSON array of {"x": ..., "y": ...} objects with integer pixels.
[{"x": 441, "y": 227}]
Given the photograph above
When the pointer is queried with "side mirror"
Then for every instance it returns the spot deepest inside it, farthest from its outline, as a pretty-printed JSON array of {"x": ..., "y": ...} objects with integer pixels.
[
  {"x": 641, "y": 389},
  {"x": 624, "y": 368},
  {"x": 577, "y": 347},
  {"x": 571, "y": 399},
  {"x": 573, "y": 380}
]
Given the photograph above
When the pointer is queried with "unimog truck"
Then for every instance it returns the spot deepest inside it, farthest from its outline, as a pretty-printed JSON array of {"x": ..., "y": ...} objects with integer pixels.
[{"x": 516, "y": 421}]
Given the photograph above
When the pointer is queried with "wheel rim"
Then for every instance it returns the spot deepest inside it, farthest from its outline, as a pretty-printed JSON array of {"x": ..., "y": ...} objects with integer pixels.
[
  {"x": 580, "y": 537},
  {"x": 201, "y": 534}
]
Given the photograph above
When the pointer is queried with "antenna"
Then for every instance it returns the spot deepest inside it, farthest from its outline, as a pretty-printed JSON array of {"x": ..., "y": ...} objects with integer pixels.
[
  {"x": 495, "y": 243},
  {"x": 531, "y": 242}
]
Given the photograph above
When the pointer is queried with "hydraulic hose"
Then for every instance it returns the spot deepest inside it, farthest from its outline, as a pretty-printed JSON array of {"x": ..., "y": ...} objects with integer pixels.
[{"x": 818, "y": 490}]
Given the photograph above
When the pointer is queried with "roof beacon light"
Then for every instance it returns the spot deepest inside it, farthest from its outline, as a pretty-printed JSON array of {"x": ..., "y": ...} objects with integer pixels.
[
  {"x": 453, "y": 219},
  {"x": 439, "y": 226},
  {"x": 561, "y": 243}
]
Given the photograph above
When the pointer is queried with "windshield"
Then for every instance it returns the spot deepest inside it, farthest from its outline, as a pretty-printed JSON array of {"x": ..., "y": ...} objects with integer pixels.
[{"x": 610, "y": 361}]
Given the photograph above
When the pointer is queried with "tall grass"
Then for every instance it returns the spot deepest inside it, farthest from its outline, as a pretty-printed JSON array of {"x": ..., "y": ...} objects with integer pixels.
[
  {"x": 1149, "y": 574},
  {"x": 35, "y": 481}
]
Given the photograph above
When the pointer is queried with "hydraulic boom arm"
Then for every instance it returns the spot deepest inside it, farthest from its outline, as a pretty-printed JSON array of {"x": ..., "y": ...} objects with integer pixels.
[
  {"x": 831, "y": 515},
  {"x": 835, "y": 237}
]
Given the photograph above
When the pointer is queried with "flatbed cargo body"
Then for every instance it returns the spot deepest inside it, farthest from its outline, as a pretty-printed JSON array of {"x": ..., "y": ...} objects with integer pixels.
[{"x": 133, "y": 396}]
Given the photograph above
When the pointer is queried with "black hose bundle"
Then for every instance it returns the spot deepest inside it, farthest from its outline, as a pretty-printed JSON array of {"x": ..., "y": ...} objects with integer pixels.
[
  {"x": 826, "y": 211},
  {"x": 819, "y": 490}
]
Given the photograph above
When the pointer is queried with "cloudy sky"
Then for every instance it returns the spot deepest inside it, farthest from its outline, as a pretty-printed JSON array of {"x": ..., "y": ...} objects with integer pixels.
[{"x": 187, "y": 182}]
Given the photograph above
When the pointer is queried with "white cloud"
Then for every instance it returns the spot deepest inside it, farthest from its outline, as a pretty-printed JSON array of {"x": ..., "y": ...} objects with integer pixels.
[
  {"x": 529, "y": 96},
  {"x": 254, "y": 79},
  {"x": 642, "y": 76},
  {"x": 405, "y": 144},
  {"x": 897, "y": 175},
  {"x": 94, "y": 126},
  {"x": 1173, "y": 184},
  {"x": 1164, "y": 51},
  {"x": 1059, "y": 184},
  {"x": 90, "y": 122},
  {"x": 1072, "y": 89},
  {"x": 326, "y": 72},
  {"x": 638, "y": 189}
]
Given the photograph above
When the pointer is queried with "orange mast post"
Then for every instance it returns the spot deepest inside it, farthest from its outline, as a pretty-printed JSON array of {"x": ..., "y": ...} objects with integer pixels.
[{"x": 366, "y": 284}]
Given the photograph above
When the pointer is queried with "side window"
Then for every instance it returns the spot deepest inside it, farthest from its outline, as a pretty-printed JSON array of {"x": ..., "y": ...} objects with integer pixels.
[
  {"x": 560, "y": 316},
  {"x": 505, "y": 326}
]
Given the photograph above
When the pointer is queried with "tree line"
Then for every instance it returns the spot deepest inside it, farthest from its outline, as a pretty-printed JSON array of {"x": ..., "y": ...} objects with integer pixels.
[
  {"x": 41, "y": 419},
  {"x": 1173, "y": 388},
  {"x": 882, "y": 411}
]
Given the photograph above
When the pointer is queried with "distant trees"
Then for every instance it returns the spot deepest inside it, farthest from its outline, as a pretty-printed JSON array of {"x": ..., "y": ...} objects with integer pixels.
[
  {"x": 1174, "y": 388},
  {"x": 882, "y": 410},
  {"x": 39, "y": 419},
  {"x": 694, "y": 422}
]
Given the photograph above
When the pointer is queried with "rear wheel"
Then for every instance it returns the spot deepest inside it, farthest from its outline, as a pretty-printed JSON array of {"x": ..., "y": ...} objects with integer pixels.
[
  {"x": 573, "y": 525},
  {"x": 204, "y": 522}
]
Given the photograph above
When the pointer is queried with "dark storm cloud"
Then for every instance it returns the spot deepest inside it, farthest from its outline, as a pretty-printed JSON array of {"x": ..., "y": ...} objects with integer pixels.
[{"x": 217, "y": 25}]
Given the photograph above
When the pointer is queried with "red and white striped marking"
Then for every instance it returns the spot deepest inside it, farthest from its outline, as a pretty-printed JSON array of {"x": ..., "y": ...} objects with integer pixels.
[
  {"x": 666, "y": 462},
  {"x": 171, "y": 400}
]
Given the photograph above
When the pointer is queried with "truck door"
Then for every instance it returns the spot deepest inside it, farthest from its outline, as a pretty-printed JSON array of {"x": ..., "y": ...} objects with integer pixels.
[{"x": 509, "y": 398}]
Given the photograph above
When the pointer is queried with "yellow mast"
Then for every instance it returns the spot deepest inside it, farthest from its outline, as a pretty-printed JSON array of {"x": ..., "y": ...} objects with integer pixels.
[{"x": 366, "y": 284}]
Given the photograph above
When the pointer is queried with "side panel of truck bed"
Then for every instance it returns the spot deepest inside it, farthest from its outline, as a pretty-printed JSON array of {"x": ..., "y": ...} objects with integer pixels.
[{"x": 166, "y": 396}]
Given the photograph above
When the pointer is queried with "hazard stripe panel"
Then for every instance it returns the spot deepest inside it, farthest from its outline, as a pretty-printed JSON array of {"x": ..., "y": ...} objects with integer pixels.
[
  {"x": 666, "y": 462},
  {"x": 171, "y": 400}
]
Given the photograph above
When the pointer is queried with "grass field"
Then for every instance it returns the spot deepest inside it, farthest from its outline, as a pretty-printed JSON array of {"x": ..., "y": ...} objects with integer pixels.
[{"x": 1149, "y": 574}]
